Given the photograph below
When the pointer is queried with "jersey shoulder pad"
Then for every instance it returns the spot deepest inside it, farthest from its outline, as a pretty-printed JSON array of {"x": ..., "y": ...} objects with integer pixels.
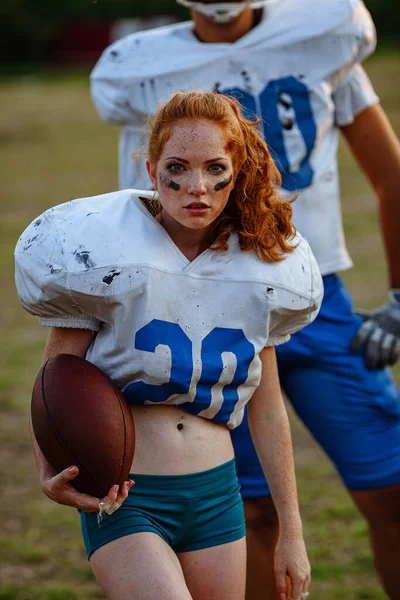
[
  {"x": 299, "y": 277},
  {"x": 295, "y": 281},
  {"x": 49, "y": 253},
  {"x": 143, "y": 54},
  {"x": 330, "y": 36},
  {"x": 296, "y": 300},
  {"x": 355, "y": 38},
  {"x": 293, "y": 286},
  {"x": 290, "y": 22}
]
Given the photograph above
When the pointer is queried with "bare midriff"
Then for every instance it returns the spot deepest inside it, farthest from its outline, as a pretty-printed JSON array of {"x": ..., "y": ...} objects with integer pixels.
[{"x": 170, "y": 441}]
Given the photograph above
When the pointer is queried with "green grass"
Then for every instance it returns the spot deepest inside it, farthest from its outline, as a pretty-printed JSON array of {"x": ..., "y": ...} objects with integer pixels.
[
  {"x": 53, "y": 147},
  {"x": 59, "y": 591}
]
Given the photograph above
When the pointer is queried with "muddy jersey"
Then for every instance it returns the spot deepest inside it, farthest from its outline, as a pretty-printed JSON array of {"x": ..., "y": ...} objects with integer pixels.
[
  {"x": 170, "y": 331},
  {"x": 298, "y": 70}
]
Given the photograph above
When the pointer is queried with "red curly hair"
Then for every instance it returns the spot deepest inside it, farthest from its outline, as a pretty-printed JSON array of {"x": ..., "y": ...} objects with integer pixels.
[{"x": 254, "y": 210}]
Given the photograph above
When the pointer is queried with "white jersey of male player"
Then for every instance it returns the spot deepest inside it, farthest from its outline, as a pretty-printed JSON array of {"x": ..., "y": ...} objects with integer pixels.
[
  {"x": 298, "y": 70},
  {"x": 167, "y": 332}
]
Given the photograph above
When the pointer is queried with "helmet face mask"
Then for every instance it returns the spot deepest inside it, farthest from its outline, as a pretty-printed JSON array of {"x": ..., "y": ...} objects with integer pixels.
[{"x": 221, "y": 12}]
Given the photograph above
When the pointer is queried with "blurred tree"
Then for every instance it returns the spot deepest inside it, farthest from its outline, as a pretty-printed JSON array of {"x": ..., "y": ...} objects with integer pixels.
[{"x": 28, "y": 27}]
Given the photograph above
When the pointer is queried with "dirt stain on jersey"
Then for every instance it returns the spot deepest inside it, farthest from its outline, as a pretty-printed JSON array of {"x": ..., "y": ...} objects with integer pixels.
[
  {"x": 108, "y": 279},
  {"x": 30, "y": 242},
  {"x": 83, "y": 257},
  {"x": 55, "y": 269}
]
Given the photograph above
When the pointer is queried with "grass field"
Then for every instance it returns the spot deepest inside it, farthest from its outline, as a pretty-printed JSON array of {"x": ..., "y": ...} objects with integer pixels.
[{"x": 53, "y": 147}]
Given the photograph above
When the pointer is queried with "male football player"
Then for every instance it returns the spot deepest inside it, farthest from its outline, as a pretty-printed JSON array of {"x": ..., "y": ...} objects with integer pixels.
[{"x": 296, "y": 64}]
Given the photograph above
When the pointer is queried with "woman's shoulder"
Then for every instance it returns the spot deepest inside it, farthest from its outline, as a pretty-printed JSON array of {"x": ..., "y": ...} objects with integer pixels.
[
  {"x": 297, "y": 273},
  {"x": 102, "y": 205},
  {"x": 68, "y": 254},
  {"x": 78, "y": 220},
  {"x": 80, "y": 233}
]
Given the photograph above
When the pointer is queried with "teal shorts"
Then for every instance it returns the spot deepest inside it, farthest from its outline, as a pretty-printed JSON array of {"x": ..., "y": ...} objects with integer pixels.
[{"x": 189, "y": 512}]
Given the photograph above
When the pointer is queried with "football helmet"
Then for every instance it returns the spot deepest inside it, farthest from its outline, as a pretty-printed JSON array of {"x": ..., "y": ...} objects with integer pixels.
[{"x": 221, "y": 12}]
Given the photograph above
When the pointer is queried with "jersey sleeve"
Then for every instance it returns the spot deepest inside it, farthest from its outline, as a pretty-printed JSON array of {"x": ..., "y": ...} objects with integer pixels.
[
  {"x": 41, "y": 278},
  {"x": 298, "y": 307},
  {"x": 353, "y": 93},
  {"x": 109, "y": 88}
]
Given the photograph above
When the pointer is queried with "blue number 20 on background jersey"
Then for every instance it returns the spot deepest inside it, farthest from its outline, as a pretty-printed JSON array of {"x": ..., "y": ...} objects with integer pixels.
[
  {"x": 290, "y": 95},
  {"x": 218, "y": 341}
]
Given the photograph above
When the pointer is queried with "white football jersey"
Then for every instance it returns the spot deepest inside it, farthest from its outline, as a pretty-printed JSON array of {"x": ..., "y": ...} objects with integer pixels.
[
  {"x": 169, "y": 330},
  {"x": 298, "y": 70}
]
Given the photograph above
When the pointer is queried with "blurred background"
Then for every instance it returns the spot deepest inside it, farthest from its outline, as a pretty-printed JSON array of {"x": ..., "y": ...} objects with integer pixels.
[
  {"x": 53, "y": 147},
  {"x": 63, "y": 34}
]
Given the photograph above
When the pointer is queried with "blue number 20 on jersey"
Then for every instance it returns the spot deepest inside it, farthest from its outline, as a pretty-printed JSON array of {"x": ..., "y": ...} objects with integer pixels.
[{"x": 183, "y": 376}]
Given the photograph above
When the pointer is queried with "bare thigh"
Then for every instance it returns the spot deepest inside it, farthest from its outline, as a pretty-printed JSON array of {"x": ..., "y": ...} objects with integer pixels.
[
  {"x": 217, "y": 573},
  {"x": 140, "y": 566}
]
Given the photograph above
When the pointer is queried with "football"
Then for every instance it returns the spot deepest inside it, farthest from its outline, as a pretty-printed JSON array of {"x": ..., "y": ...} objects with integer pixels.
[{"x": 80, "y": 417}]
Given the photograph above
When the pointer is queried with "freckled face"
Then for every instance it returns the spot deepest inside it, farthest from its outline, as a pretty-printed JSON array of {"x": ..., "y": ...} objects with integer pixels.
[{"x": 194, "y": 175}]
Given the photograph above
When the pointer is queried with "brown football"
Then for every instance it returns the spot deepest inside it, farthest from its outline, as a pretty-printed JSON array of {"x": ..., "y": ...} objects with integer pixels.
[{"x": 81, "y": 418}]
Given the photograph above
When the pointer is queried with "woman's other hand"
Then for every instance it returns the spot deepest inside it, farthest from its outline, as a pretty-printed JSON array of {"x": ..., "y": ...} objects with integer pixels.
[{"x": 291, "y": 562}]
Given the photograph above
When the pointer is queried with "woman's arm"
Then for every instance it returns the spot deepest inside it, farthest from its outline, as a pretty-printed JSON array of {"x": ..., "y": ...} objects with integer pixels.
[
  {"x": 57, "y": 485},
  {"x": 269, "y": 427}
]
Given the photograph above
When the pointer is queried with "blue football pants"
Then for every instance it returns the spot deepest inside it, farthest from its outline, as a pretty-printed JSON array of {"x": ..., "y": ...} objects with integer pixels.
[{"x": 353, "y": 413}]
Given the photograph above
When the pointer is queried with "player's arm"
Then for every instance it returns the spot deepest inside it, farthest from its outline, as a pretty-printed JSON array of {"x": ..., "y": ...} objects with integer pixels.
[
  {"x": 269, "y": 427},
  {"x": 376, "y": 148},
  {"x": 55, "y": 485}
]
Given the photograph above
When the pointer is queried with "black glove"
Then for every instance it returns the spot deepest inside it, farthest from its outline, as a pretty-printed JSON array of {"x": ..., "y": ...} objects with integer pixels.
[{"x": 379, "y": 334}]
